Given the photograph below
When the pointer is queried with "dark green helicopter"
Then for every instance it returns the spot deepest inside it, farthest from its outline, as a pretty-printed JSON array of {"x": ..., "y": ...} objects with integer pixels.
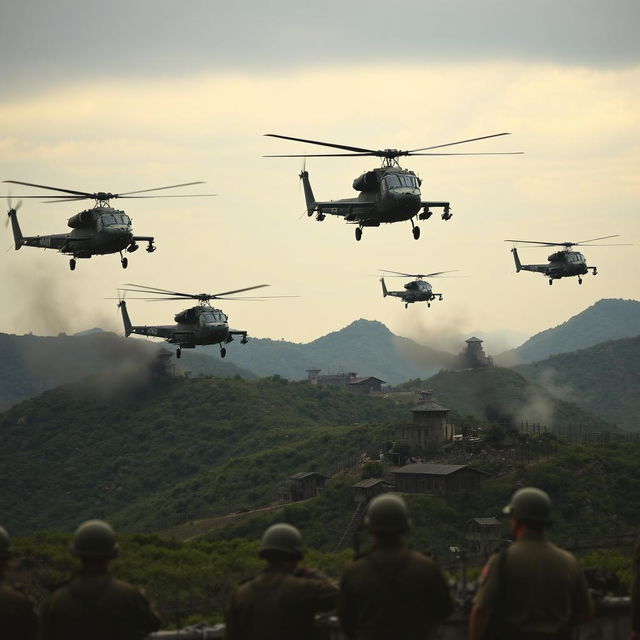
[
  {"x": 418, "y": 290},
  {"x": 564, "y": 263},
  {"x": 97, "y": 231},
  {"x": 387, "y": 194},
  {"x": 196, "y": 326}
]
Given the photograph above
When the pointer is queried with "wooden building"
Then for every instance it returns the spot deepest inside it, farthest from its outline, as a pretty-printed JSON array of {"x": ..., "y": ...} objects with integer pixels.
[
  {"x": 350, "y": 380},
  {"x": 483, "y": 535},
  {"x": 307, "y": 484},
  {"x": 429, "y": 427},
  {"x": 369, "y": 488},
  {"x": 437, "y": 479}
]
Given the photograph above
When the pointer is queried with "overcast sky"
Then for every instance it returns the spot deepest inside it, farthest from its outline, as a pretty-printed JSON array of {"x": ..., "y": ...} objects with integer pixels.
[{"x": 120, "y": 96}]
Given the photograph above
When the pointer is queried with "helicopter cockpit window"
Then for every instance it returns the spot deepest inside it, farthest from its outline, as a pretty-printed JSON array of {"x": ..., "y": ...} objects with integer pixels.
[
  {"x": 122, "y": 219},
  {"x": 108, "y": 219},
  {"x": 392, "y": 181},
  {"x": 409, "y": 181}
]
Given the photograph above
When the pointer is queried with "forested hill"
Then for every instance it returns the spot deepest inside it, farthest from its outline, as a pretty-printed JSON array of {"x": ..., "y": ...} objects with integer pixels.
[
  {"x": 502, "y": 395},
  {"x": 366, "y": 347},
  {"x": 105, "y": 447},
  {"x": 606, "y": 320},
  {"x": 32, "y": 364},
  {"x": 604, "y": 379}
]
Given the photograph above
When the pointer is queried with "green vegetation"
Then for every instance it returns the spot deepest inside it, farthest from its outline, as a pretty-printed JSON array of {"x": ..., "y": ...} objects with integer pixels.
[
  {"x": 32, "y": 364},
  {"x": 603, "y": 379},
  {"x": 365, "y": 346},
  {"x": 496, "y": 394},
  {"x": 149, "y": 454},
  {"x": 187, "y": 582},
  {"x": 608, "y": 319}
]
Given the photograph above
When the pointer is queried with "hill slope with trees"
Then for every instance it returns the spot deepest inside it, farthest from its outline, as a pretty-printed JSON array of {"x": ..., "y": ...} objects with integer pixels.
[
  {"x": 497, "y": 394},
  {"x": 32, "y": 364},
  {"x": 366, "y": 347},
  {"x": 604, "y": 380},
  {"x": 607, "y": 319},
  {"x": 110, "y": 446}
]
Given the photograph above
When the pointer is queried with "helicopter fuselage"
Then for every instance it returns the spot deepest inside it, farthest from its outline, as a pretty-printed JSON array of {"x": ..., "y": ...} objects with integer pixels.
[
  {"x": 387, "y": 194},
  {"x": 562, "y": 264},
  {"x": 98, "y": 231},
  {"x": 197, "y": 326},
  {"x": 415, "y": 291}
]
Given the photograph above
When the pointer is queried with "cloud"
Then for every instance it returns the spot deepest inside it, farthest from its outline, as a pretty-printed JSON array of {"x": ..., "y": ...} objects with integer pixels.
[{"x": 48, "y": 44}]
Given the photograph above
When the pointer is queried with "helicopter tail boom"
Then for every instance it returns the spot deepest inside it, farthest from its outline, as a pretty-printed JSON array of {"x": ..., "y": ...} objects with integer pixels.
[{"x": 308, "y": 192}]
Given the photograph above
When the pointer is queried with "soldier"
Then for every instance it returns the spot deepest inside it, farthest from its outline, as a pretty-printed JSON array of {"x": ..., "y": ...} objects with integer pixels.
[
  {"x": 392, "y": 592},
  {"x": 94, "y": 604},
  {"x": 280, "y": 603},
  {"x": 533, "y": 590},
  {"x": 18, "y": 620}
]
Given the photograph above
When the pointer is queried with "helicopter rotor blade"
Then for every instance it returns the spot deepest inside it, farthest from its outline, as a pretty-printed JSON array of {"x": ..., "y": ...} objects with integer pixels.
[
  {"x": 228, "y": 293},
  {"x": 148, "y": 289},
  {"x": 540, "y": 243},
  {"x": 41, "y": 186},
  {"x": 186, "y": 195},
  {"x": 594, "y": 239},
  {"x": 323, "y": 144},
  {"x": 323, "y": 155},
  {"x": 482, "y": 153},
  {"x": 172, "y": 186},
  {"x": 398, "y": 273},
  {"x": 450, "y": 144}
]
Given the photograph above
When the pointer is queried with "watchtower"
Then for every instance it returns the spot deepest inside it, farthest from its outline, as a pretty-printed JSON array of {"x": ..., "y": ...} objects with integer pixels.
[{"x": 429, "y": 427}]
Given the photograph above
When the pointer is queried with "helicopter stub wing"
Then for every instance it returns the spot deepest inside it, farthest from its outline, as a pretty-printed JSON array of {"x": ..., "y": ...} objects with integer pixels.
[
  {"x": 167, "y": 331},
  {"x": 352, "y": 210},
  {"x": 538, "y": 268}
]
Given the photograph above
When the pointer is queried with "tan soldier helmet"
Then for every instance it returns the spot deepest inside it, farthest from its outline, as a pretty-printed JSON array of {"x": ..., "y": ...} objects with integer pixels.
[
  {"x": 5, "y": 544},
  {"x": 95, "y": 539},
  {"x": 281, "y": 538},
  {"x": 530, "y": 505},
  {"x": 387, "y": 513}
]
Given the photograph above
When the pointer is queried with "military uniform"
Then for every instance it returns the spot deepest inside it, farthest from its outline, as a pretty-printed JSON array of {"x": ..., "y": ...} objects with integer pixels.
[
  {"x": 18, "y": 620},
  {"x": 392, "y": 593},
  {"x": 96, "y": 605},
  {"x": 279, "y": 605},
  {"x": 545, "y": 591}
]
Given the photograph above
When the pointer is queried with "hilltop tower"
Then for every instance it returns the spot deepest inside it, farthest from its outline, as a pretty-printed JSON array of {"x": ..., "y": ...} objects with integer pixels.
[
  {"x": 473, "y": 355},
  {"x": 429, "y": 427}
]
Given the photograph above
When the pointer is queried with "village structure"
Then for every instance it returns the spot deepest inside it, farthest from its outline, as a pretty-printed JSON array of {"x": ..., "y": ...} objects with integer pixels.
[
  {"x": 349, "y": 380},
  {"x": 473, "y": 355}
]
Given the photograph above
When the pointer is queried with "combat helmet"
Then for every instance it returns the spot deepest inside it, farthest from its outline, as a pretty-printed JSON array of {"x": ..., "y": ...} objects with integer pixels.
[
  {"x": 5, "y": 544},
  {"x": 387, "y": 513},
  {"x": 95, "y": 539},
  {"x": 530, "y": 505},
  {"x": 281, "y": 538}
]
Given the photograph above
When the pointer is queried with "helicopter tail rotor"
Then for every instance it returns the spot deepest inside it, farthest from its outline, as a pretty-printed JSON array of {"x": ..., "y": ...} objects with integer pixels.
[{"x": 15, "y": 226}]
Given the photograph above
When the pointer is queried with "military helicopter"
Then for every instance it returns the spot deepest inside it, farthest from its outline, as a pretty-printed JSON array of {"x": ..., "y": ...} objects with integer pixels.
[
  {"x": 387, "y": 194},
  {"x": 96, "y": 231},
  {"x": 199, "y": 325},
  {"x": 416, "y": 291},
  {"x": 564, "y": 263}
]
